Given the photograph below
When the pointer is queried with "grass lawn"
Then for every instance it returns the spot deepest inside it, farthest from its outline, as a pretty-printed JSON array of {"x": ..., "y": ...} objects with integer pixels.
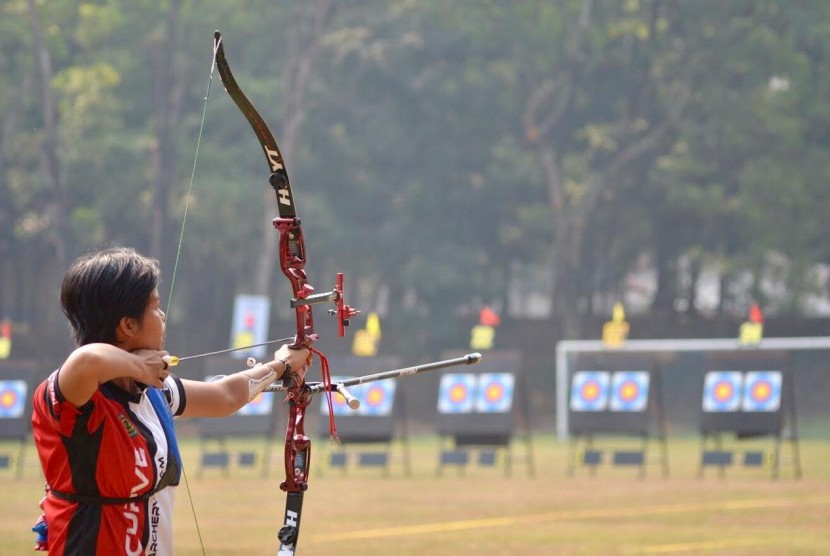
[{"x": 483, "y": 511}]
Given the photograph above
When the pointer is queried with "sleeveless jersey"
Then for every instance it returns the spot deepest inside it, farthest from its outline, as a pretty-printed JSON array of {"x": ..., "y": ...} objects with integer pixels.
[{"x": 99, "y": 459}]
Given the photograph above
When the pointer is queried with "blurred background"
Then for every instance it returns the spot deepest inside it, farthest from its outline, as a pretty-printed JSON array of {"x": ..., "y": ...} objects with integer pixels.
[{"x": 544, "y": 159}]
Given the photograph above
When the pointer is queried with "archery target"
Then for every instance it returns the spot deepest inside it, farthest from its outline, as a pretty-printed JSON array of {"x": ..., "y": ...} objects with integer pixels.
[
  {"x": 722, "y": 391},
  {"x": 494, "y": 393},
  {"x": 762, "y": 391},
  {"x": 456, "y": 393},
  {"x": 629, "y": 391},
  {"x": 12, "y": 398},
  {"x": 376, "y": 399},
  {"x": 261, "y": 405},
  {"x": 589, "y": 391}
]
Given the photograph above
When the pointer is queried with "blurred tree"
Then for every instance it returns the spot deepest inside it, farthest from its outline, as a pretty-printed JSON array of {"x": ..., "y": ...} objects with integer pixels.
[{"x": 437, "y": 149}]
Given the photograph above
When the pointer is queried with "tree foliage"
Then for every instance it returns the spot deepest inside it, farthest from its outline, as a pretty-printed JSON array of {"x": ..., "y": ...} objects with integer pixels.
[{"x": 432, "y": 146}]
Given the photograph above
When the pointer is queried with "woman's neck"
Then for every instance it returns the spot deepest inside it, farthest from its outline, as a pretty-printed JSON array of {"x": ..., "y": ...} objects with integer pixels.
[{"x": 125, "y": 383}]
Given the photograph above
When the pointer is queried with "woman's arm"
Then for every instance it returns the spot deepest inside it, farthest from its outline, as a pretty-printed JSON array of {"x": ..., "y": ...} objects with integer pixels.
[
  {"x": 227, "y": 395},
  {"x": 90, "y": 365}
]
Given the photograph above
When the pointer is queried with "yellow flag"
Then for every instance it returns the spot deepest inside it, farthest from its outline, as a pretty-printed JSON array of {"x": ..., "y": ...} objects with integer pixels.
[
  {"x": 364, "y": 345},
  {"x": 615, "y": 331},
  {"x": 751, "y": 333},
  {"x": 481, "y": 337},
  {"x": 243, "y": 338},
  {"x": 373, "y": 325},
  {"x": 366, "y": 341},
  {"x": 5, "y": 339}
]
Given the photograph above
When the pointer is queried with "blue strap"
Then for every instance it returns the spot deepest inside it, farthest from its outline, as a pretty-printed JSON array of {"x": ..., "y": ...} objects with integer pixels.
[{"x": 166, "y": 420}]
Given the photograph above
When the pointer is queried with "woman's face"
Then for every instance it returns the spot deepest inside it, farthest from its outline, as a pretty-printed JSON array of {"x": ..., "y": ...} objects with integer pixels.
[{"x": 151, "y": 325}]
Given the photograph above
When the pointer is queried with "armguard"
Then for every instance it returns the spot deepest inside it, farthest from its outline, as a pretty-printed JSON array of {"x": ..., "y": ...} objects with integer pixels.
[{"x": 257, "y": 385}]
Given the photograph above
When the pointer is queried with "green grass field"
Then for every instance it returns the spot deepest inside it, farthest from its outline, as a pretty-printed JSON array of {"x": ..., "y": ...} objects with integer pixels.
[{"x": 482, "y": 511}]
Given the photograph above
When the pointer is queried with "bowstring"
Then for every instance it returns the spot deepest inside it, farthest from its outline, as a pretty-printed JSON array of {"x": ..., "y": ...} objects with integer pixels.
[
  {"x": 178, "y": 256},
  {"x": 192, "y": 179}
]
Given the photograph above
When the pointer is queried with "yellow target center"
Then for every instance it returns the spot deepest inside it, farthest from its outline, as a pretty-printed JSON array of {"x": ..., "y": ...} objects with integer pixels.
[
  {"x": 458, "y": 393},
  {"x": 591, "y": 391},
  {"x": 762, "y": 391},
  {"x": 723, "y": 391},
  {"x": 628, "y": 391},
  {"x": 7, "y": 399},
  {"x": 494, "y": 392},
  {"x": 375, "y": 396}
]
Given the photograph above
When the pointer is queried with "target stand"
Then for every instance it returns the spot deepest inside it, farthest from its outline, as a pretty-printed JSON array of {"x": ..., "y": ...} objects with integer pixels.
[
  {"x": 481, "y": 414},
  {"x": 369, "y": 434},
  {"x": 748, "y": 413},
  {"x": 16, "y": 387},
  {"x": 616, "y": 414},
  {"x": 256, "y": 420}
]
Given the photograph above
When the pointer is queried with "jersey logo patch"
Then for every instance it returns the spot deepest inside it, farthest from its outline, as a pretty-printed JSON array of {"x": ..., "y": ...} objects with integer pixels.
[{"x": 128, "y": 425}]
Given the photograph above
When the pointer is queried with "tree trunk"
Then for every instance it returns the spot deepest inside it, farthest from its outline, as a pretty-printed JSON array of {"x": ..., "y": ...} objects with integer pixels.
[
  {"x": 55, "y": 208},
  {"x": 11, "y": 304},
  {"x": 666, "y": 268},
  {"x": 167, "y": 114}
]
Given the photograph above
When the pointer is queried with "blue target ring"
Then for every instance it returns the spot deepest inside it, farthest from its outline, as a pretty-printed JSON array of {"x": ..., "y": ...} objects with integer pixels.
[
  {"x": 589, "y": 391},
  {"x": 376, "y": 399},
  {"x": 629, "y": 391},
  {"x": 494, "y": 393},
  {"x": 455, "y": 394},
  {"x": 762, "y": 391},
  {"x": 722, "y": 391},
  {"x": 12, "y": 398}
]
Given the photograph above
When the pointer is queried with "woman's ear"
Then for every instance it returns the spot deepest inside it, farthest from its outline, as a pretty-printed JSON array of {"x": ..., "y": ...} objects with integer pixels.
[{"x": 126, "y": 329}]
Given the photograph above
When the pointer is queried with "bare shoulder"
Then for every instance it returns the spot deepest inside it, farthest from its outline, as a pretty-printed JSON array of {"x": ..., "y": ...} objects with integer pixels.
[{"x": 77, "y": 378}]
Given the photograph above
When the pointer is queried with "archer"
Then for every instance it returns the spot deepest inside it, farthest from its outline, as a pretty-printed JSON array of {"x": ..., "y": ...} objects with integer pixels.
[{"x": 103, "y": 421}]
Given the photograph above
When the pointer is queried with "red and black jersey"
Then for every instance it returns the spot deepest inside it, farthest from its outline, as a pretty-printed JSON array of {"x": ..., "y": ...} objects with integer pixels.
[{"x": 107, "y": 464}]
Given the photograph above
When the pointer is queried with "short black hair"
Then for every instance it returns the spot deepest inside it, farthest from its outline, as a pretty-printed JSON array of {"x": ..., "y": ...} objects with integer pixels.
[{"x": 102, "y": 287}]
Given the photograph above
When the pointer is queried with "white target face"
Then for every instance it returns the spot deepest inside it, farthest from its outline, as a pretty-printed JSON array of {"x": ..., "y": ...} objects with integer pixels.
[
  {"x": 762, "y": 391},
  {"x": 722, "y": 391},
  {"x": 12, "y": 398},
  {"x": 456, "y": 393},
  {"x": 589, "y": 391},
  {"x": 494, "y": 393},
  {"x": 629, "y": 391}
]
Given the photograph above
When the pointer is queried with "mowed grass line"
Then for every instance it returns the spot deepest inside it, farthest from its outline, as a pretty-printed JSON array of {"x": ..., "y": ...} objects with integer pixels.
[
  {"x": 484, "y": 512},
  {"x": 577, "y": 515}
]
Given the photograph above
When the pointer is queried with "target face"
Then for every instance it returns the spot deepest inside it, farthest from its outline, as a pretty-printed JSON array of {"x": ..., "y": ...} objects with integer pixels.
[
  {"x": 722, "y": 391},
  {"x": 12, "y": 398},
  {"x": 376, "y": 399},
  {"x": 589, "y": 391},
  {"x": 762, "y": 391},
  {"x": 455, "y": 394},
  {"x": 261, "y": 405},
  {"x": 494, "y": 393},
  {"x": 629, "y": 391}
]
